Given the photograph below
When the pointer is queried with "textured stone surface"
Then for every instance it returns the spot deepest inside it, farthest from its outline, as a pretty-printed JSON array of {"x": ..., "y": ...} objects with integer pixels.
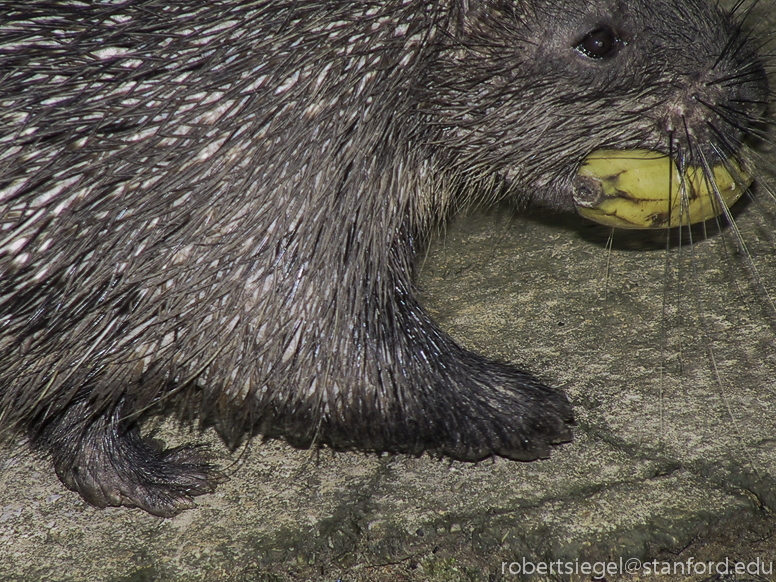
[{"x": 678, "y": 463}]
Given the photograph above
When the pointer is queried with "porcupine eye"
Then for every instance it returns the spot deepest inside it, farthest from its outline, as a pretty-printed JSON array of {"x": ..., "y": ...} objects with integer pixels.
[{"x": 600, "y": 43}]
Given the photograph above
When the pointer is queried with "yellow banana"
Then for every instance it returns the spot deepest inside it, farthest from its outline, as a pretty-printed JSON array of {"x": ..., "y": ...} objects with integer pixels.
[{"x": 644, "y": 189}]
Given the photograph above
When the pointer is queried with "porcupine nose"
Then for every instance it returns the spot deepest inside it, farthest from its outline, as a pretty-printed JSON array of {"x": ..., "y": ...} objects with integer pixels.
[{"x": 714, "y": 109}]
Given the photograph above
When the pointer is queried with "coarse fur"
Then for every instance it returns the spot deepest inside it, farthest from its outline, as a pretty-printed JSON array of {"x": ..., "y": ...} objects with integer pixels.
[{"x": 217, "y": 206}]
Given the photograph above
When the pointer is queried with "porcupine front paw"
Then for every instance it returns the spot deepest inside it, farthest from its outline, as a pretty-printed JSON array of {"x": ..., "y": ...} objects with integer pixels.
[
  {"x": 459, "y": 405},
  {"x": 500, "y": 410},
  {"x": 109, "y": 463}
]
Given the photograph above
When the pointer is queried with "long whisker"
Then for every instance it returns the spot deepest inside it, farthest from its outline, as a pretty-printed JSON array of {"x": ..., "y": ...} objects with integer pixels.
[
  {"x": 744, "y": 251},
  {"x": 709, "y": 177}
]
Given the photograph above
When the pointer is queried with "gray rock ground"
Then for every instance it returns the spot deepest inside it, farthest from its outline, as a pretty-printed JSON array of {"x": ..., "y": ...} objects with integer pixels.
[
  {"x": 667, "y": 354},
  {"x": 673, "y": 452}
]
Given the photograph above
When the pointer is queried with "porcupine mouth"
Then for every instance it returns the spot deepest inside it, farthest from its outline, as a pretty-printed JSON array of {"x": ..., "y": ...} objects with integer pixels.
[{"x": 642, "y": 189}]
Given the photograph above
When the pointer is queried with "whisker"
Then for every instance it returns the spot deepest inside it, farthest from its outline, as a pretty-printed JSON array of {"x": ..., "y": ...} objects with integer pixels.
[
  {"x": 741, "y": 18},
  {"x": 709, "y": 344},
  {"x": 744, "y": 251}
]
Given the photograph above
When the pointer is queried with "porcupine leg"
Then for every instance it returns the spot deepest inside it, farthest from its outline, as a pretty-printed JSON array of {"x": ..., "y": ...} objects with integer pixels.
[
  {"x": 493, "y": 408},
  {"x": 473, "y": 408},
  {"x": 430, "y": 394},
  {"x": 106, "y": 460}
]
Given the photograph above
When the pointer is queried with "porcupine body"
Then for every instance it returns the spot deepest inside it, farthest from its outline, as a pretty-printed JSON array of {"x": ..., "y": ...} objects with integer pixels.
[{"x": 217, "y": 206}]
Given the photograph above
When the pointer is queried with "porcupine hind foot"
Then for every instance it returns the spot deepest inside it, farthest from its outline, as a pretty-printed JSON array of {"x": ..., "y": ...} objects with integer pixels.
[{"x": 109, "y": 463}]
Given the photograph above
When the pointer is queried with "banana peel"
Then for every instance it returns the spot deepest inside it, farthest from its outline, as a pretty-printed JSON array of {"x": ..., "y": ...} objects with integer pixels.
[{"x": 645, "y": 189}]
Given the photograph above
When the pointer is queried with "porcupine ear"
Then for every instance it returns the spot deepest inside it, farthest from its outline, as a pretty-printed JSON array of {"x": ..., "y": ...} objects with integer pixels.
[{"x": 470, "y": 12}]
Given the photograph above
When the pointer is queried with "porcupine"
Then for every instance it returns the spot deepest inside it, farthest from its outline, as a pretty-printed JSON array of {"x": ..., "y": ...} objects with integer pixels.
[{"x": 217, "y": 206}]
